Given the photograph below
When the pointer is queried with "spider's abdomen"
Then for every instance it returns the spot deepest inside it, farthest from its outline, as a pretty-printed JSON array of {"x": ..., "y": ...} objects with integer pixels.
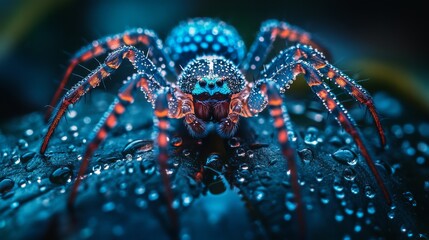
[{"x": 204, "y": 36}]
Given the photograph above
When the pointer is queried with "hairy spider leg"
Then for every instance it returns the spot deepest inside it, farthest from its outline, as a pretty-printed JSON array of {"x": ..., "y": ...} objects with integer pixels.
[
  {"x": 98, "y": 47},
  {"x": 112, "y": 62},
  {"x": 314, "y": 79},
  {"x": 270, "y": 31},
  {"x": 318, "y": 61},
  {"x": 110, "y": 119},
  {"x": 265, "y": 92},
  {"x": 161, "y": 120}
]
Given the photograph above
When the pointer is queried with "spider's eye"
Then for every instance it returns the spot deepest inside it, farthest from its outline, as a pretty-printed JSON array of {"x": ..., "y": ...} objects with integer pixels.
[
  {"x": 202, "y": 83},
  {"x": 219, "y": 83}
]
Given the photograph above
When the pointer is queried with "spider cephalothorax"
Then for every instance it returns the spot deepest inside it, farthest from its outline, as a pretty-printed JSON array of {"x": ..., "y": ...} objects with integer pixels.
[{"x": 205, "y": 59}]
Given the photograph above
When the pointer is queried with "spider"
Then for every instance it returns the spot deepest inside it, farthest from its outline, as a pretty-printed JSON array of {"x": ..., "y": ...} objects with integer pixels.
[{"x": 206, "y": 63}]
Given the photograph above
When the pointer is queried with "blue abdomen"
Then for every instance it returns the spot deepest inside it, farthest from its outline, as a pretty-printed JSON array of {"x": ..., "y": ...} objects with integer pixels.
[{"x": 204, "y": 36}]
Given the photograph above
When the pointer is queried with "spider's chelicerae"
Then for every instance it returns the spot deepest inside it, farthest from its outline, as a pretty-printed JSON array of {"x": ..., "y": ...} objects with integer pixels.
[{"x": 206, "y": 63}]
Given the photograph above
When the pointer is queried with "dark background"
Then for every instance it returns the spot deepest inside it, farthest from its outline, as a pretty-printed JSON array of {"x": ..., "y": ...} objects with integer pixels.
[{"x": 38, "y": 37}]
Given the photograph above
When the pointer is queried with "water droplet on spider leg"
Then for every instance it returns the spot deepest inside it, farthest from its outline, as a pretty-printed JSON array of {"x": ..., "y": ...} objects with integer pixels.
[
  {"x": 61, "y": 175},
  {"x": 311, "y": 136},
  {"x": 339, "y": 217},
  {"x": 345, "y": 156}
]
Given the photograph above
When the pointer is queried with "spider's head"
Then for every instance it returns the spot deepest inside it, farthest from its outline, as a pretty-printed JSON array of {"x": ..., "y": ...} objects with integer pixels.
[{"x": 211, "y": 75}]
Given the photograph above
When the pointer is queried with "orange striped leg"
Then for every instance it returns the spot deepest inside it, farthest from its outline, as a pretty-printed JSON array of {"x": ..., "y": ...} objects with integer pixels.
[
  {"x": 162, "y": 122},
  {"x": 266, "y": 93},
  {"x": 318, "y": 61},
  {"x": 315, "y": 81},
  {"x": 108, "y": 122},
  {"x": 113, "y": 42},
  {"x": 268, "y": 33},
  {"x": 112, "y": 62}
]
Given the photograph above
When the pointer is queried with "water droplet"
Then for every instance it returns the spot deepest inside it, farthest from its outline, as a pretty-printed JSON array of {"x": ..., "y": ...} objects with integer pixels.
[
  {"x": 96, "y": 169},
  {"x": 358, "y": 227},
  {"x": 244, "y": 166},
  {"x": 27, "y": 156},
  {"x": 16, "y": 159},
  {"x": 403, "y": 228},
  {"x": 359, "y": 213},
  {"x": 6, "y": 185},
  {"x": 153, "y": 195},
  {"x": 324, "y": 196},
  {"x": 147, "y": 167},
  {"x": 349, "y": 174},
  {"x": 42, "y": 188},
  {"x": 369, "y": 192},
  {"x": 141, "y": 203},
  {"x": 306, "y": 155},
  {"x": 250, "y": 153},
  {"x": 354, "y": 188},
  {"x": 338, "y": 187},
  {"x": 319, "y": 176},
  {"x": 410, "y": 198},
  {"x": 176, "y": 141},
  {"x": 186, "y": 152},
  {"x": 259, "y": 194},
  {"x": 137, "y": 146},
  {"x": 61, "y": 175},
  {"x": 311, "y": 137},
  {"x": 22, "y": 183},
  {"x": 371, "y": 208},
  {"x": 339, "y": 217},
  {"x": 22, "y": 144},
  {"x": 290, "y": 201},
  {"x": 391, "y": 214},
  {"x": 108, "y": 207},
  {"x": 140, "y": 190},
  {"x": 287, "y": 217},
  {"x": 234, "y": 142},
  {"x": 240, "y": 152},
  {"x": 345, "y": 156},
  {"x": 186, "y": 199}
]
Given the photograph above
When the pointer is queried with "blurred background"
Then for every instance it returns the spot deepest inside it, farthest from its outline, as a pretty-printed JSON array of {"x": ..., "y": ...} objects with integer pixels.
[{"x": 381, "y": 40}]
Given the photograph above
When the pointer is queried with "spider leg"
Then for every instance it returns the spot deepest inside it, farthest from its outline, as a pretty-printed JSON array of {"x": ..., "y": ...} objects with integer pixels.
[
  {"x": 112, "y": 62},
  {"x": 162, "y": 121},
  {"x": 287, "y": 74},
  {"x": 263, "y": 93},
  {"x": 183, "y": 107},
  {"x": 109, "y": 121},
  {"x": 113, "y": 42},
  {"x": 268, "y": 33},
  {"x": 319, "y": 62}
]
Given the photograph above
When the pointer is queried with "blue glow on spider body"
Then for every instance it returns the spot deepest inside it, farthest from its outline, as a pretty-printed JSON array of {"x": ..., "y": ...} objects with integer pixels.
[{"x": 204, "y": 36}]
